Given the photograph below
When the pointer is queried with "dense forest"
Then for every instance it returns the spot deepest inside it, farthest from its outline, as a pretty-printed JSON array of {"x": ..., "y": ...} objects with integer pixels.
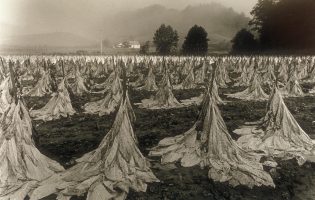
[{"x": 282, "y": 26}]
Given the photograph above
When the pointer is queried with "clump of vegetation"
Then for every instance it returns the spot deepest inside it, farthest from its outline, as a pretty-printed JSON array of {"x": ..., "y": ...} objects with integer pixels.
[
  {"x": 196, "y": 41},
  {"x": 285, "y": 26},
  {"x": 244, "y": 42},
  {"x": 165, "y": 40}
]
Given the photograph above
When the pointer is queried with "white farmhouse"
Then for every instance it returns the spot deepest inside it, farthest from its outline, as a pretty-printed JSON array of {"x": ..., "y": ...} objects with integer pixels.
[{"x": 134, "y": 45}]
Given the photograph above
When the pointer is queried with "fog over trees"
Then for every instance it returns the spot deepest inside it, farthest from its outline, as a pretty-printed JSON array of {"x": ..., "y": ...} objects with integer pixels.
[{"x": 37, "y": 19}]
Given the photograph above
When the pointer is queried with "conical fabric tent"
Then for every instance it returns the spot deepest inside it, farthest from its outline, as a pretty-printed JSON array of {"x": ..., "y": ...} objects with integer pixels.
[
  {"x": 201, "y": 73},
  {"x": 101, "y": 70},
  {"x": 198, "y": 100},
  {"x": 302, "y": 69},
  {"x": 208, "y": 144},
  {"x": 43, "y": 86},
  {"x": 2, "y": 69},
  {"x": 164, "y": 98},
  {"x": 109, "y": 103},
  {"x": 253, "y": 93},
  {"x": 292, "y": 88},
  {"x": 186, "y": 68},
  {"x": 310, "y": 77},
  {"x": 22, "y": 166},
  {"x": 283, "y": 72},
  {"x": 59, "y": 105},
  {"x": 131, "y": 66},
  {"x": 149, "y": 84},
  {"x": 212, "y": 147},
  {"x": 5, "y": 97},
  {"x": 278, "y": 134},
  {"x": 244, "y": 79},
  {"x": 105, "y": 85},
  {"x": 268, "y": 74},
  {"x": 189, "y": 81},
  {"x": 224, "y": 72},
  {"x": 222, "y": 77},
  {"x": 78, "y": 87},
  {"x": 215, "y": 94},
  {"x": 108, "y": 172},
  {"x": 139, "y": 81}
]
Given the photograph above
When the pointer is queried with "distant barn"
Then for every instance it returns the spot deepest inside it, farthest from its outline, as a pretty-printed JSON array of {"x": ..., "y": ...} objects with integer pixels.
[
  {"x": 128, "y": 45},
  {"x": 134, "y": 45}
]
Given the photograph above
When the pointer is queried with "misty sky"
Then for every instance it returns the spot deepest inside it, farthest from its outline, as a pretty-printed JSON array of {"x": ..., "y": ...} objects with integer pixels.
[{"x": 38, "y": 16}]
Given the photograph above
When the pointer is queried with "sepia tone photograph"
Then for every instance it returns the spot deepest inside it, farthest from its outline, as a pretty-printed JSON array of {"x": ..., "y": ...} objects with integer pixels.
[{"x": 157, "y": 100}]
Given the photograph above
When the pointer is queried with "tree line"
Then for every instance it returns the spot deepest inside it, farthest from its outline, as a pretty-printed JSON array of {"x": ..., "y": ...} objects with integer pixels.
[
  {"x": 166, "y": 41},
  {"x": 281, "y": 26},
  {"x": 277, "y": 26}
]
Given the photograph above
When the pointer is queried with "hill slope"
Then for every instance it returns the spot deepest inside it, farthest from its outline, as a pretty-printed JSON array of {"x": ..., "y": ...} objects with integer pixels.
[
  {"x": 220, "y": 22},
  {"x": 56, "y": 39}
]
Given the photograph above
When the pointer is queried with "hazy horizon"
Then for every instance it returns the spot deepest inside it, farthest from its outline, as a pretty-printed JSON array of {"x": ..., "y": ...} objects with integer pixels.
[
  {"x": 68, "y": 23},
  {"x": 40, "y": 16}
]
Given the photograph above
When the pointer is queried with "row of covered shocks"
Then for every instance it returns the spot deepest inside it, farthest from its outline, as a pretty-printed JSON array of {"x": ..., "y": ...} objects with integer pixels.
[
  {"x": 188, "y": 74},
  {"x": 117, "y": 165}
]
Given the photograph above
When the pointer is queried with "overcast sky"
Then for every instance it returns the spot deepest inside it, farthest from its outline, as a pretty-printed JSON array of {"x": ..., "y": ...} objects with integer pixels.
[{"x": 36, "y": 16}]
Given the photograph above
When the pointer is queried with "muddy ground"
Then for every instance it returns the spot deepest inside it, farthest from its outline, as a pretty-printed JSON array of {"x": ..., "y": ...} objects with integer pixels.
[{"x": 69, "y": 138}]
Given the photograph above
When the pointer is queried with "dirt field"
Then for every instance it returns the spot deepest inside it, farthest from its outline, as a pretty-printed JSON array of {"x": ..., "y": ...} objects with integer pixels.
[{"x": 69, "y": 138}]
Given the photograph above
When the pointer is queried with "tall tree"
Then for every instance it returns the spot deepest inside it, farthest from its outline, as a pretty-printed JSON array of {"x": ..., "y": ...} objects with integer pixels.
[
  {"x": 165, "y": 39},
  {"x": 261, "y": 14},
  {"x": 244, "y": 42},
  {"x": 261, "y": 22},
  {"x": 196, "y": 41},
  {"x": 285, "y": 25},
  {"x": 145, "y": 48}
]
